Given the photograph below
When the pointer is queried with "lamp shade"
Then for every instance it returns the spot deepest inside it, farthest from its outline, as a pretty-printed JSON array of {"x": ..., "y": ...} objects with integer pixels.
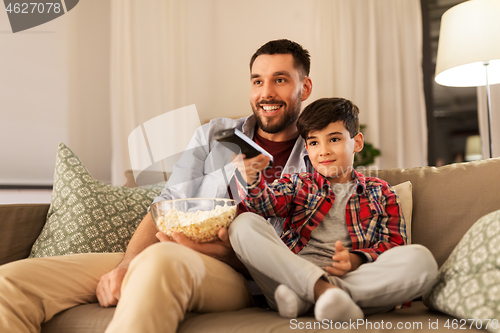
[{"x": 469, "y": 36}]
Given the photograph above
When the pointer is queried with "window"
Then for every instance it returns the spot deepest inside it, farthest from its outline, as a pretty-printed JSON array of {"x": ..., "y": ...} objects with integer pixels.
[{"x": 451, "y": 111}]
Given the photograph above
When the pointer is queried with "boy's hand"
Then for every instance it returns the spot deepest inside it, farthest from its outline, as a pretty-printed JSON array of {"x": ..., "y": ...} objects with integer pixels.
[
  {"x": 341, "y": 261},
  {"x": 344, "y": 261},
  {"x": 249, "y": 168}
]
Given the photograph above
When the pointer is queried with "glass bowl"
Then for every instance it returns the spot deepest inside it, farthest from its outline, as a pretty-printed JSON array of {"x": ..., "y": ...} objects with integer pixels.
[{"x": 199, "y": 219}]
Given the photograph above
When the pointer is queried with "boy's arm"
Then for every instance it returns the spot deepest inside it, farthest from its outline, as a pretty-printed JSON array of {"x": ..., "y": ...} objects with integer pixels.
[
  {"x": 267, "y": 200},
  {"x": 390, "y": 228}
]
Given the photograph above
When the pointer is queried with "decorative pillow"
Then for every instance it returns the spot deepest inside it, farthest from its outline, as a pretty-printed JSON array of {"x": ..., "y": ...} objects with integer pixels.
[
  {"x": 404, "y": 191},
  {"x": 468, "y": 285},
  {"x": 87, "y": 215}
]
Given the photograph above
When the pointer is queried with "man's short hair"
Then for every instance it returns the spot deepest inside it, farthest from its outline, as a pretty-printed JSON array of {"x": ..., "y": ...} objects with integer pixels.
[
  {"x": 301, "y": 57},
  {"x": 324, "y": 111}
]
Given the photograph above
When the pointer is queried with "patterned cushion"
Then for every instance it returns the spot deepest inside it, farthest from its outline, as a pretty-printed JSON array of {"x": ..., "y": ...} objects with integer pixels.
[
  {"x": 468, "y": 285},
  {"x": 87, "y": 215}
]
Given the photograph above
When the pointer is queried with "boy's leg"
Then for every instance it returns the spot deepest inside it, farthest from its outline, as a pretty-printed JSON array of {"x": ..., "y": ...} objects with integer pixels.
[
  {"x": 166, "y": 280},
  {"x": 32, "y": 291},
  {"x": 398, "y": 275},
  {"x": 269, "y": 260}
]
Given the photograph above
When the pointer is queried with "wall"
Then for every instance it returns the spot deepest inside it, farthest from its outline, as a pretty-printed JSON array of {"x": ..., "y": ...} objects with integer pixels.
[
  {"x": 54, "y": 87},
  {"x": 55, "y": 78},
  {"x": 224, "y": 35},
  {"x": 33, "y": 101},
  {"x": 89, "y": 119}
]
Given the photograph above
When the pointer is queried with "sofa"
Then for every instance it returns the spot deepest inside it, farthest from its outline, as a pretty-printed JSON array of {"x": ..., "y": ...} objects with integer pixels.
[{"x": 447, "y": 201}]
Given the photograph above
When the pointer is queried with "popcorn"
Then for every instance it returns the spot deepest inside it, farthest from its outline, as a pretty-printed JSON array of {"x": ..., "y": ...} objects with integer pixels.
[{"x": 199, "y": 226}]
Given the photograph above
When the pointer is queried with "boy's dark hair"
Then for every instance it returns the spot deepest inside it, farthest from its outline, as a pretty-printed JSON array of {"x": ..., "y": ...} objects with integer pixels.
[
  {"x": 319, "y": 114},
  {"x": 301, "y": 57}
]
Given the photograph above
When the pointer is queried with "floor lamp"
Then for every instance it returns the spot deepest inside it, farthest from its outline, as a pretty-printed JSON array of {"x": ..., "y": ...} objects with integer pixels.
[{"x": 469, "y": 48}]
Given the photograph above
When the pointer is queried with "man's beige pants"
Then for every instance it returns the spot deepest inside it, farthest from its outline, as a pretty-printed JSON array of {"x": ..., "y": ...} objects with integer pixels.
[{"x": 163, "y": 282}]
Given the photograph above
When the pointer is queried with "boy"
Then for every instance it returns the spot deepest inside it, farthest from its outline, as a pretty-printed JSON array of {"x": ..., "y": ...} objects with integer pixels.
[{"x": 338, "y": 222}]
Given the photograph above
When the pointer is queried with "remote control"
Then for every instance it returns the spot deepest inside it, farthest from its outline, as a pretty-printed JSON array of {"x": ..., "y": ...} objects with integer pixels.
[{"x": 235, "y": 140}]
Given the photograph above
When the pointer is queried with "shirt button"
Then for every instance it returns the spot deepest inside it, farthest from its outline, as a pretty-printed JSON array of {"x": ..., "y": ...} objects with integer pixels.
[
  {"x": 374, "y": 211},
  {"x": 328, "y": 199},
  {"x": 306, "y": 202},
  {"x": 311, "y": 223}
]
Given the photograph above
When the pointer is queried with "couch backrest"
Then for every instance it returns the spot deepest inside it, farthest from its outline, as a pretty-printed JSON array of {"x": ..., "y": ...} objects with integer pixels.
[
  {"x": 20, "y": 226},
  {"x": 448, "y": 200}
]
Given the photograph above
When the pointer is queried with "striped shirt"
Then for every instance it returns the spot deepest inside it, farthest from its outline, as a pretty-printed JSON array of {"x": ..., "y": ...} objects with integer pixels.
[{"x": 374, "y": 216}]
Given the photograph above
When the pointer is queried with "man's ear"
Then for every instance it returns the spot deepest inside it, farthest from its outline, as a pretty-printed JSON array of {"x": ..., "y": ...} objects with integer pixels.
[
  {"x": 307, "y": 86},
  {"x": 359, "y": 142}
]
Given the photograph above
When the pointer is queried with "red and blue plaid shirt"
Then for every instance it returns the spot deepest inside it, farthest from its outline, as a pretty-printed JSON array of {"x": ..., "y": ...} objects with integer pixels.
[{"x": 374, "y": 216}]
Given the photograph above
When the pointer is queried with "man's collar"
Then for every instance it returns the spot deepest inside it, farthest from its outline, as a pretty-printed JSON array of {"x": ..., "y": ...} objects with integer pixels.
[{"x": 249, "y": 126}]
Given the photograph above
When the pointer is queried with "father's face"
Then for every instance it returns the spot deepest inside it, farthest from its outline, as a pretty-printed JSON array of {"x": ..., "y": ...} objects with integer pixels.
[{"x": 276, "y": 93}]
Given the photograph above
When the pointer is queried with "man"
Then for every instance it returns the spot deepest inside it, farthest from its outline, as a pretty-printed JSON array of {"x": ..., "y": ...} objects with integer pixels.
[
  {"x": 155, "y": 283},
  {"x": 280, "y": 82}
]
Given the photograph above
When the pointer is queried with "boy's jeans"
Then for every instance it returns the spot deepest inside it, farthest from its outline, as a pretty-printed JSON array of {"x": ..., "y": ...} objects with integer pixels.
[{"x": 399, "y": 275}]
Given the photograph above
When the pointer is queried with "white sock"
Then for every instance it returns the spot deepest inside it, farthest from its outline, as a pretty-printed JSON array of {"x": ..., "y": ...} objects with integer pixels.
[
  {"x": 336, "y": 305},
  {"x": 290, "y": 305}
]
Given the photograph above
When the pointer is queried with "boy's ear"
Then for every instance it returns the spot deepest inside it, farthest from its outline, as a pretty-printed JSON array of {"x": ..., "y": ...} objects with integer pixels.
[{"x": 359, "y": 142}]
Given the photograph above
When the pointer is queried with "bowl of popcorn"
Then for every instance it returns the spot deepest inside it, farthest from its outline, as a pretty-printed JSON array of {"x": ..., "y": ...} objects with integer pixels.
[{"x": 199, "y": 219}]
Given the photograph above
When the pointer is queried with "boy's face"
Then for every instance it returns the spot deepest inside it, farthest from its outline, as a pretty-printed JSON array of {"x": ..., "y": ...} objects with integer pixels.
[{"x": 331, "y": 151}]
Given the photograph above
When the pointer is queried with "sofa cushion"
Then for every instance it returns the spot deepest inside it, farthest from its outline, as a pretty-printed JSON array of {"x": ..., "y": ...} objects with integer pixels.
[
  {"x": 20, "y": 225},
  {"x": 91, "y": 318},
  {"x": 87, "y": 318},
  {"x": 417, "y": 319},
  {"x": 405, "y": 197},
  {"x": 468, "y": 284},
  {"x": 87, "y": 215},
  {"x": 448, "y": 200}
]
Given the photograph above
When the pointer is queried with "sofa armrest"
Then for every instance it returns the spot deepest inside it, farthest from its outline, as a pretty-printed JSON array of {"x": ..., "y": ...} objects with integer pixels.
[{"x": 20, "y": 225}]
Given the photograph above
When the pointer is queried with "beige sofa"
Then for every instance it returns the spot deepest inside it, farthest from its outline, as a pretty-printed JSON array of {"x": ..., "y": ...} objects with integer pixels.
[{"x": 446, "y": 203}]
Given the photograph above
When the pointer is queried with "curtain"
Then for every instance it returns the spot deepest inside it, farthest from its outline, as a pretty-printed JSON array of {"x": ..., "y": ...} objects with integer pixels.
[
  {"x": 366, "y": 50},
  {"x": 148, "y": 69},
  {"x": 370, "y": 51}
]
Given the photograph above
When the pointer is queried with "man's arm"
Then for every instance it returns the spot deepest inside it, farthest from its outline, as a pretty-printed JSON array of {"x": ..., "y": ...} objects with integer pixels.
[
  {"x": 266, "y": 200},
  {"x": 184, "y": 182},
  {"x": 185, "y": 179},
  {"x": 143, "y": 237},
  {"x": 108, "y": 289}
]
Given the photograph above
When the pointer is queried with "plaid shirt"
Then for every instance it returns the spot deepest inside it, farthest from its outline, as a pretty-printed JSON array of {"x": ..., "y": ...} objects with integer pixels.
[{"x": 374, "y": 216}]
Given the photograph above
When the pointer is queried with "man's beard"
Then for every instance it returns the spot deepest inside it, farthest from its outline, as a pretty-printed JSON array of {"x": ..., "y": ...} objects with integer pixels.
[{"x": 286, "y": 118}]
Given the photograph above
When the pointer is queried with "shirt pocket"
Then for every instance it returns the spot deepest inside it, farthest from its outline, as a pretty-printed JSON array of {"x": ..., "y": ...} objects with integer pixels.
[
  {"x": 368, "y": 215},
  {"x": 305, "y": 206}
]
